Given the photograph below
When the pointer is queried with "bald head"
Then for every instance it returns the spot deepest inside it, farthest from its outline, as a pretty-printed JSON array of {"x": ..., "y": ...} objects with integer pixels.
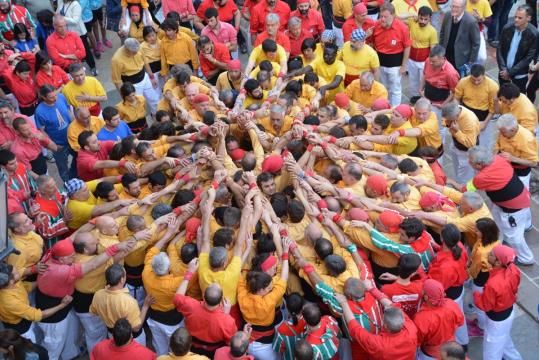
[
  {"x": 60, "y": 24},
  {"x": 106, "y": 225},
  {"x": 85, "y": 243},
  {"x": 213, "y": 295}
]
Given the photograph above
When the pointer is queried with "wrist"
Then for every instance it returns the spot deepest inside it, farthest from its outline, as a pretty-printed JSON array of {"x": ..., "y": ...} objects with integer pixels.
[
  {"x": 188, "y": 275},
  {"x": 308, "y": 268},
  {"x": 33, "y": 269},
  {"x": 121, "y": 163},
  {"x": 284, "y": 256},
  {"x": 152, "y": 76},
  {"x": 112, "y": 250},
  {"x": 214, "y": 184},
  {"x": 402, "y": 132}
]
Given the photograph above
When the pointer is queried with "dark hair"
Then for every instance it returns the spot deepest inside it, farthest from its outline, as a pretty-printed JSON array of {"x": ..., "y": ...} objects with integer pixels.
[
  {"x": 279, "y": 203},
  {"x": 295, "y": 63},
  {"x": 83, "y": 138},
  {"x": 45, "y": 90},
  {"x": 359, "y": 121},
  {"x": 408, "y": 264},
  {"x": 294, "y": 305},
  {"x": 45, "y": 17},
  {"x": 20, "y": 28},
  {"x": 323, "y": 248},
  {"x": 159, "y": 210},
  {"x": 157, "y": 178},
  {"x": 20, "y": 345},
  {"x": 203, "y": 40},
  {"x": 147, "y": 30},
  {"x": 22, "y": 66},
  {"x": 382, "y": 120},
  {"x": 17, "y": 122},
  {"x": 311, "y": 314},
  {"x": 6, "y": 271},
  {"x": 160, "y": 114},
  {"x": 122, "y": 332},
  {"x": 257, "y": 280},
  {"x": 429, "y": 152},
  {"x": 251, "y": 85},
  {"x": 489, "y": 230},
  {"x": 127, "y": 89},
  {"x": 335, "y": 264},
  {"x": 103, "y": 189},
  {"x": 109, "y": 112},
  {"x": 412, "y": 227},
  {"x": 169, "y": 24},
  {"x": 296, "y": 211},
  {"x": 509, "y": 91},
  {"x": 142, "y": 147},
  {"x": 223, "y": 237},
  {"x": 303, "y": 350},
  {"x": 180, "y": 341},
  {"x": 407, "y": 166},
  {"x": 337, "y": 132},
  {"x": 182, "y": 197},
  {"x": 6, "y": 156},
  {"x": 477, "y": 70},
  {"x": 265, "y": 243},
  {"x": 174, "y": 16},
  {"x": 41, "y": 58},
  {"x": 188, "y": 252},
  {"x": 182, "y": 78},
  {"x": 269, "y": 45},
  {"x": 75, "y": 67},
  {"x": 310, "y": 78},
  {"x": 114, "y": 274},
  {"x": 210, "y": 13},
  {"x": 128, "y": 179},
  {"x": 239, "y": 344},
  {"x": 311, "y": 120},
  {"x": 308, "y": 43},
  {"x": 451, "y": 238},
  {"x": 424, "y": 11}
]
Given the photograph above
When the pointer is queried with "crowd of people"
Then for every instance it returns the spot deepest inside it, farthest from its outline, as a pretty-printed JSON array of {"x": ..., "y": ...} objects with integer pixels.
[{"x": 327, "y": 182}]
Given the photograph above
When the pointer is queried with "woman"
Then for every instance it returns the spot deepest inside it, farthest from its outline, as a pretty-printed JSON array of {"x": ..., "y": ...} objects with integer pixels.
[
  {"x": 151, "y": 49},
  {"x": 72, "y": 12},
  {"x": 132, "y": 108},
  {"x": 308, "y": 47},
  {"x": 449, "y": 268},
  {"x": 478, "y": 267},
  {"x": 49, "y": 74},
  {"x": 291, "y": 329},
  {"x": 15, "y": 347},
  {"x": 20, "y": 81}
]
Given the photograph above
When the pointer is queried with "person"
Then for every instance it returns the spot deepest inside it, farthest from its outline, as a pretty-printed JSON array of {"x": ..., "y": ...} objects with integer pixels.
[
  {"x": 132, "y": 108},
  {"x": 272, "y": 31},
  {"x": 230, "y": 79},
  {"x": 15, "y": 346},
  {"x": 296, "y": 35},
  {"x": 44, "y": 26},
  {"x": 239, "y": 344},
  {"x": 183, "y": 7},
  {"x": 28, "y": 146},
  {"x": 516, "y": 50},
  {"x": 81, "y": 122},
  {"x": 48, "y": 73},
  {"x": 29, "y": 244},
  {"x": 25, "y": 42},
  {"x": 20, "y": 81},
  {"x": 497, "y": 301},
  {"x": 358, "y": 57},
  {"x": 359, "y": 20},
  {"x": 219, "y": 31},
  {"x": 65, "y": 47},
  {"x": 12, "y": 14},
  {"x": 288, "y": 332},
  {"x": 176, "y": 48},
  {"x": 121, "y": 345},
  {"x": 322, "y": 332},
  {"x": 366, "y": 90},
  {"x": 180, "y": 345},
  {"x": 84, "y": 90},
  {"x": 311, "y": 19},
  {"x": 259, "y": 14},
  {"x": 114, "y": 129},
  {"x": 512, "y": 101},
  {"x": 459, "y": 35},
  {"x": 213, "y": 58},
  {"x": 393, "y": 54},
  {"x": 98, "y": 26},
  {"x": 20, "y": 180}
]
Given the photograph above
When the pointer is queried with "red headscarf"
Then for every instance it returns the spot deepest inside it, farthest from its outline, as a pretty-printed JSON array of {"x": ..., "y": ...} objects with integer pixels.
[
  {"x": 404, "y": 110},
  {"x": 435, "y": 292},
  {"x": 237, "y": 154},
  {"x": 272, "y": 163},
  {"x": 191, "y": 228},
  {"x": 391, "y": 220},
  {"x": 60, "y": 249},
  {"x": 268, "y": 263},
  {"x": 433, "y": 198},
  {"x": 378, "y": 184}
]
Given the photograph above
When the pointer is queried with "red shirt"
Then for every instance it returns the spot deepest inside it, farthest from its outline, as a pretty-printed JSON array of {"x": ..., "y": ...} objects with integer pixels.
[
  {"x": 261, "y": 10},
  {"x": 437, "y": 325},
  {"x": 439, "y": 174},
  {"x": 27, "y": 151},
  {"x": 280, "y": 39},
  {"x": 24, "y": 90},
  {"x": 203, "y": 324},
  {"x": 107, "y": 350},
  {"x": 57, "y": 79},
  {"x": 295, "y": 44},
  {"x": 69, "y": 44},
  {"x": 50, "y": 206},
  {"x": 59, "y": 279},
  {"x": 448, "y": 271},
  {"x": 408, "y": 296},
  {"x": 444, "y": 78},
  {"x": 392, "y": 40},
  {"x": 7, "y": 133},
  {"x": 386, "y": 345},
  {"x": 86, "y": 161},
  {"x": 226, "y": 13},
  {"x": 350, "y": 25},
  {"x": 500, "y": 291},
  {"x": 224, "y": 354},
  {"x": 312, "y": 23},
  {"x": 220, "y": 53},
  {"x": 182, "y": 7}
]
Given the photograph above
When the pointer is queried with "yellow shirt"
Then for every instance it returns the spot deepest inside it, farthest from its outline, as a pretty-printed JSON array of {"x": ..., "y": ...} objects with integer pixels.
[
  {"x": 126, "y": 64},
  {"x": 342, "y": 8},
  {"x": 16, "y": 305},
  {"x": 468, "y": 128},
  {"x": 223, "y": 83},
  {"x": 75, "y": 128},
  {"x": 523, "y": 110},
  {"x": 479, "y": 258},
  {"x": 356, "y": 62},
  {"x": 403, "y": 8},
  {"x": 481, "y": 6},
  {"x": 111, "y": 305},
  {"x": 258, "y": 55},
  {"x": 522, "y": 145},
  {"x": 362, "y": 238},
  {"x": 479, "y": 97},
  {"x": 152, "y": 53},
  {"x": 329, "y": 72},
  {"x": 91, "y": 87},
  {"x": 31, "y": 248},
  {"x": 257, "y": 309},
  {"x": 162, "y": 288},
  {"x": 366, "y": 98},
  {"x": 422, "y": 37},
  {"x": 132, "y": 112},
  {"x": 227, "y": 279},
  {"x": 319, "y": 54},
  {"x": 180, "y": 50},
  {"x": 136, "y": 31},
  {"x": 404, "y": 145},
  {"x": 286, "y": 126},
  {"x": 82, "y": 210},
  {"x": 94, "y": 280},
  {"x": 178, "y": 268},
  {"x": 430, "y": 131},
  {"x": 188, "y": 356},
  {"x": 251, "y": 100}
]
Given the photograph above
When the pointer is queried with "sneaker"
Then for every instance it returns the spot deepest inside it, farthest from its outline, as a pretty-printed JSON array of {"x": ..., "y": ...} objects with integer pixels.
[
  {"x": 94, "y": 72},
  {"x": 107, "y": 43},
  {"x": 475, "y": 331},
  {"x": 97, "y": 54},
  {"x": 99, "y": 47}
]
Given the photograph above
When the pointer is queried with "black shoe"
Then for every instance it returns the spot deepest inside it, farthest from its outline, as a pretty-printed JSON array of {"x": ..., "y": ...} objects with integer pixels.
[
  {"x": 493, "y": 43},
  {"x": 243, "y": 48}
]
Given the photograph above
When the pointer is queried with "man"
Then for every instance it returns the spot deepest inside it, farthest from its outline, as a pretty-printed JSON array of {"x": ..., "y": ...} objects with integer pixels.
[
  {"x": 366, "y": 90},
  {"x": 260, "y": 11},
  {"x": 274, "y": 33},
  {"x": 459, "y": 35},
  {"x": 28, "y": 146},
  {"x": 277, "y": 123},
  {"x": 359, "y": 57},
  {"x": 497, "y": 300},
  {"x": 239, "y": 345},
  {"x": 180, "y": 346},
  {"x": 227, "y": 11},
  {"x": 176, "y": 48},
  {"x": 84, "y": 90},
  {"x": 464, "y": 128},
  {"x": 213, "y": 58},
  {"x": 311, "y": 19},
  {"x": 392, "y": 42},
  {"x": 359, "y": 20},
  {"x": 64, "y": 47},
  {"x": 268, "y": 50},
  {"x": 83, "y": 121},
  {"x": 128, "y": 64},
  {"x": 510, "y": 197},
  {"x": 114, "y": 128},
  {"x": 7, "y": 115},
  {"x": 296, "y": 35},
  {"x": 11, "y": 15},
  {"x": 219, "y": 31},
  {"x": 517, "y": 104},
  {"x": 322, "y": 332},
  {"x": 121, "y": 345},
  {"x": 437, "y": 320},
  {"x": 424, "y": 37},
  {"x": 20, "y": 180},
  {"x": 53, "y": 116},
  {"x": 517, "y": 48}
]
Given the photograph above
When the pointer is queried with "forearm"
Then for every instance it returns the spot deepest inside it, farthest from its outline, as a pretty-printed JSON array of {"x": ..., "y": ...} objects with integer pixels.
[
  {"x": 51, "y": 311},
  {"x": 406, "y": 56},
  {"x": 104, "y": 208}
]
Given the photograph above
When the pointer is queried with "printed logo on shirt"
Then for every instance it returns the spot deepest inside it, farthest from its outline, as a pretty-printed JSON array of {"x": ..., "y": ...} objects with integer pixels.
[{"x": 393, "y": 42}]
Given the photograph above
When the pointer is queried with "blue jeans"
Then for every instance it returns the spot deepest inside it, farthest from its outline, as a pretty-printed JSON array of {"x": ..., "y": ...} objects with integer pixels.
[{"x": 61, "y": 156}]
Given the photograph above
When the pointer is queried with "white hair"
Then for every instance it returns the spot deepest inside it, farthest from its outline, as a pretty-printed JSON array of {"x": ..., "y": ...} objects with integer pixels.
[
  {"x": 506, "y": 121},
  {"x": 161, "y": 264},
  {"x": 132, "y": 44}
]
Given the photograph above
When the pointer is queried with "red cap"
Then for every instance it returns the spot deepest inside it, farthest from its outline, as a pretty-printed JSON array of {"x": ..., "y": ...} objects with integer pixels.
[
  {"x": 201, "y": 98},
  {"x": 433, "y": 198},
  {"x": 378, "y": 184},
  {"x": 380, "y": 104},
  {"x": 303, "y": 2},
  {"x": 404, "y": 110},
  {"x": 134, "y": 9},
  {"x": 63, "y": 248},
  {"x": 358, "y": 214},
  {"x": 191, "y": 228},
  {"x": 237, "y": 154},
  {"x": 434, "y": 291},
  {"x": 234, "y": 65},
  {"x": 360, "y": 9},
  {"x": 342, "y": 100},
  {"x": 504, "y": 254},
  {"x": 391, "y": 220},
  {"x": 272, "y": 164}
]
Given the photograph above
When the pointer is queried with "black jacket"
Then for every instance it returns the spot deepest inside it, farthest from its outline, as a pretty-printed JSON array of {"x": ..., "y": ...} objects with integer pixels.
[{"x": 525, "y": 52}]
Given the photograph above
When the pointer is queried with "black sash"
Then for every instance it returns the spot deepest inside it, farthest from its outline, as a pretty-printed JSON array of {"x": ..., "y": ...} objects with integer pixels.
[
  {"x": 45, "y": 302},
  {"x": 500, "y": 315},
  {"x": 454, "y": 292},
  {"x": 511, "y": 190},
  {"x": 21, "y": 327},
  {"x": 155, "y": 66},
  {"x": 435, "y": 94},
  {"x": 461, "y": 146},
  {"x": 338, "y": 21},
  {"x": 171, "y": 317},
  {"x": 82, "y": 302},
  {"x": 135, "y": 78},
  {"x": 134, "y": 275}
]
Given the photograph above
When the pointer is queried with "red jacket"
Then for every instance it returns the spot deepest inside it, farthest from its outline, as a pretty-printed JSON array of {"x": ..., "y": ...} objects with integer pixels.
[
  {"x": 69, "y": 44},
  {"x": 500, "y": 291}
]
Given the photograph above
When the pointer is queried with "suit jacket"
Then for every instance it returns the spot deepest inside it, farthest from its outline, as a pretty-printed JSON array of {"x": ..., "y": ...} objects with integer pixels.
[
  {"x": 527, "y": 48},
  {"x": 467, "y": 40}
]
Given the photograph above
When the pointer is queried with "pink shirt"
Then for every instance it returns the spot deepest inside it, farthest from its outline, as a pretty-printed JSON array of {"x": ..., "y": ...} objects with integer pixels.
[
  {"x": 86, "y": 161},
  {"x": 182, "y": 7},
  {"x": 59, "y": 279},
  {"x": 227, "y": 33},
  {"x": 7, "y": 133},
  {"x": 27, "y": 151}
]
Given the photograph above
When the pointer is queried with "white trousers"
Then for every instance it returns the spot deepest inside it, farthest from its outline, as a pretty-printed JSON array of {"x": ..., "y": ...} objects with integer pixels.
[
  {"x": 415, "y": 71},
  {"x": 497, "y": 342},
  {"x": 146, "y": 89},
  {"x": 262, "y": 351},
  {"x": 526, "y": 181},
  {"x": 30, "y": 333},
  {"x": 60, "y": 339},
  {"x": 486, "y": 136},
  {"x": 94, "y": 328},
  {"x": 161, "y": 334},
  {"x": 463, "y": 171},
  {"x": 514, "y": 235},
  {"x": 422, "y": 356},
  {"x": 461, "y": 335},
  {"x": 482, "y": 55},
  {"x": 391, "y": 78},
  {"x": 480, "y": 314}
]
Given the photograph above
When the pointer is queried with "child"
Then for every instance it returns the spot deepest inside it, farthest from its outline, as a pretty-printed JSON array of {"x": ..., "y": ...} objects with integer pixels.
[{"x": 24, "y": 41}]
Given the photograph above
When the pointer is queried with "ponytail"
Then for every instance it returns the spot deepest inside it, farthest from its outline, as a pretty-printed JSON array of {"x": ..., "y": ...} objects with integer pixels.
[{"x": 451, "y": 237}]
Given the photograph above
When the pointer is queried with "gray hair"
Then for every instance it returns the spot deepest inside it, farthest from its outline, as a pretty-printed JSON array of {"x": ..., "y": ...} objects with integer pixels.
[
  {"x": 132, "y": 44},
  {"x": 393, "y": 319},
  {"x": 451, "y": 110},
  {"x": 272, "y": 17},
  {"x": 161, "y": 264},
  {"x": 480, "y": 155},
  {"x": 218, "y": 257},
  {"x": 506, "y": 121},
  {"x": 367, "y": 76},
  {"x": 401, "y": 187},
  {"x": 294, "y": 21},
  {"x": 42, "y": 180},
  {"x": 276, "y": 108},
  {"x": 437, "y": 51},
  {"x": 11, "y": 222},
  {"x": 423, "y": 103},
  {"x": 474, "y": 199}
]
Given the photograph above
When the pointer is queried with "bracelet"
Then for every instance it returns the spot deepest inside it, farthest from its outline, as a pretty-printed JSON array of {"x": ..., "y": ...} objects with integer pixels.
[
  {"x": 119, "y": 178},
  {"x": 252, "y": 186},
  {"x": 309, "y": 173},
  {"x": 315, "y": 128},
  {"x": 308, "y": 268},
  {"x": 305, "y": 133},
  {"x": 293, "y": 246},
  {"x": 112, "y": 250},
  {"x": 320, "y": 217},
  {"x": 193, "y": 137},
  {"x": 188, "y": 275},
  {"x": 33, "y": 268},
  {"x": 92, "y": 221},
  {"x": 352, "y": 248},
  {"x": 281, "y": 75},
  {"x": 402, "y": 132},
  {"x": 186, "y": 178},
  {"x": 205, "y": 129},
  {"x": 337, "y": 218},
  {"x": 284, "y": 256},
  {"x": 322, "y": 204},
  {"x": 177, "y": 210},
  {"x": 283, "y": 232},
  {"x": 214, "y": 184},
  {"x": 243, "y": 91},
  {"x": 332, "y": 139},
  {"x": 310, "y": 147},
  {"x": 324, "y": 145},
  {"x": 152, "y": 76},
  {"x": 121, "y": 163}
]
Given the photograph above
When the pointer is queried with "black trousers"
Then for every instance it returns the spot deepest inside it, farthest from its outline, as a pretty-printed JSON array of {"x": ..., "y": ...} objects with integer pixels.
[{"x": 89, "y": 56}]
